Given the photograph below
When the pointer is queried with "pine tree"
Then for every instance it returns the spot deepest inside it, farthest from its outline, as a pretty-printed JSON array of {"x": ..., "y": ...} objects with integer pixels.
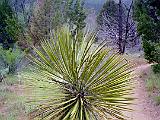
[
  {"x": 47, "y": 16},
  {"x": 147, "y": 14},
  {"x": 5, "y": 12},
  {"x": 76, "y": 14}
]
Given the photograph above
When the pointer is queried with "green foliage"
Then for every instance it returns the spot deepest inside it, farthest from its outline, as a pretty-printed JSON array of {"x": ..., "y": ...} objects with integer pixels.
[
  {"x": 59, "y": 17},
  {"x": 13, "y": 28},
  {"x": 157, "y": 53},
  {"x": 149, "y": 50},
  {"x": 46, "y": 17},
  {"x": 147, "y": 14},
  {"x": 76, "y": 14},
  {"x": 92, "y": 82},
  {"x": 152, "y": 51},
  {"x": 5, "y": 11},
  {"x": 11, "y": 58},
  {"x": 156, "y": 68}
]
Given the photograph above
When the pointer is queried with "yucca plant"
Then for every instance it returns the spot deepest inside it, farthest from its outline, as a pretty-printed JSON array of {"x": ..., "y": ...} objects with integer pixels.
[{"x": 93, "y": 82}]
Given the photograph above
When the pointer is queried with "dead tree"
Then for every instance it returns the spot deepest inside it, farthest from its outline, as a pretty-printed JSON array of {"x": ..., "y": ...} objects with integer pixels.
[
  {"x": 120, "y": 26},
  {"x": 116, "y": 22}
]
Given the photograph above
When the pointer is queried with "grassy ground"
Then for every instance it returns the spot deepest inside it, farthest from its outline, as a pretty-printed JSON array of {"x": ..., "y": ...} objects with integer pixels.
[
  {"x": 14, "y": 98},
  {"x": 153, "y": 86},
  {"x": 11, "y": 99},
  {"x": 18, "y": 96}
]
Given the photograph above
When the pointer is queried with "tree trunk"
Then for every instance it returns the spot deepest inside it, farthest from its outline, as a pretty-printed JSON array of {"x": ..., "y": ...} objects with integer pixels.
[
  {"x": 120, "y": 27},
  {"x": 127, "y": 28}
]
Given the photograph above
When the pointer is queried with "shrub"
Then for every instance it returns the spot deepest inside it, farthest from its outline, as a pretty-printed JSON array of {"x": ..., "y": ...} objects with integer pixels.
[
  {"x": 13, "y": 28},
  {"x": 93, "y": 83},
  {"x": 149, "y": 50},
  {"x": 157, "y": 53},
  {"x": 11, "y": 58},
  {"x": 148, "y": 27},
  {"x": 156, "y": 68},
  {"x": 5, "y": 11}
]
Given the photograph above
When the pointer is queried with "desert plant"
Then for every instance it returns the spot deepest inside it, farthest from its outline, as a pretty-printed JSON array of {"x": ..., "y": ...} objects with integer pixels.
[{"x": 93, "y": 82}]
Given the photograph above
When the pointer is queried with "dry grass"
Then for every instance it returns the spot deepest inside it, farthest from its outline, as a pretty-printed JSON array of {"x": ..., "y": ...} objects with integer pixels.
[{"x": 12, "y": 103}]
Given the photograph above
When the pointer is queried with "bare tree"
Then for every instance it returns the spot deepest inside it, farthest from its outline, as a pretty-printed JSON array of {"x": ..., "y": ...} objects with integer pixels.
[
  {"x": 116, "y": 22},
  {"x": 120, "y": 26}
]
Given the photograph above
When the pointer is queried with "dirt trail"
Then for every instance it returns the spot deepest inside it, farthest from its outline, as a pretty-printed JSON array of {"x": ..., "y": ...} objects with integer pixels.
[{"x": 144, "y": 107}]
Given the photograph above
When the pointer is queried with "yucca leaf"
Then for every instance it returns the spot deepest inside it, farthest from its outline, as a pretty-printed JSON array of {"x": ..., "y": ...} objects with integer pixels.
[{"x": 93, "y": 82}]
